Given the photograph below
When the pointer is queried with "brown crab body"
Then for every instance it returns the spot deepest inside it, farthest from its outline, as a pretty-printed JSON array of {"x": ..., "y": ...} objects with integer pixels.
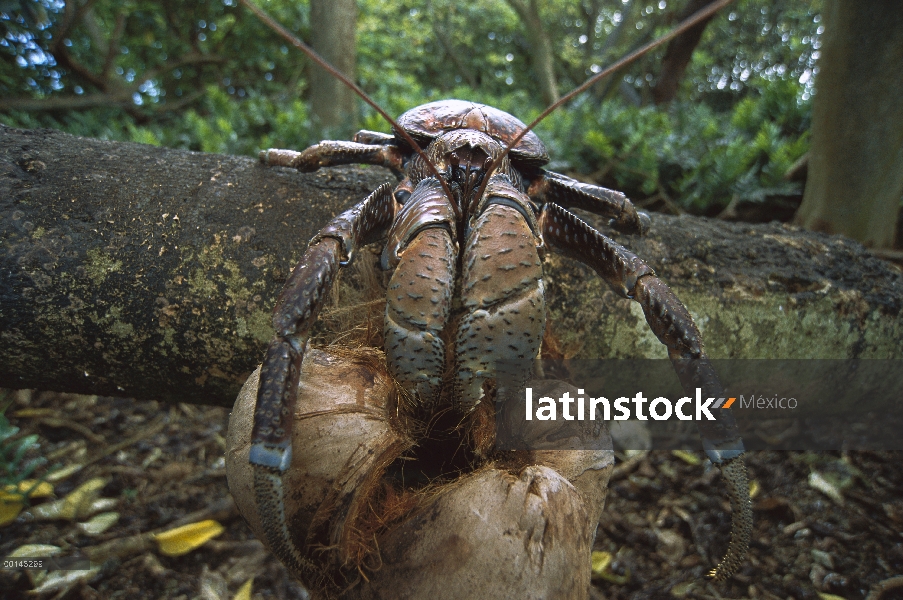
[
  {"x": 467, "y": 227},
  {"x": 491, "y": 265}
]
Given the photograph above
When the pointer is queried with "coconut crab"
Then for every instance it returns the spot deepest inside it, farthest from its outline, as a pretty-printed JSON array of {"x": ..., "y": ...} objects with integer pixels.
[{"x": 467, "y": 227}]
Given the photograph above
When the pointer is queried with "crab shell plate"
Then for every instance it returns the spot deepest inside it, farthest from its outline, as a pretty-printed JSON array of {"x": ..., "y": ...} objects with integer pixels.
[{"x": 427, "y": 122}]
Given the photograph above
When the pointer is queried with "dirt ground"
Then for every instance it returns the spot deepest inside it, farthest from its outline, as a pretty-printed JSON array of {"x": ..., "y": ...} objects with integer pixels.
[{"x": 826, "y": 525}]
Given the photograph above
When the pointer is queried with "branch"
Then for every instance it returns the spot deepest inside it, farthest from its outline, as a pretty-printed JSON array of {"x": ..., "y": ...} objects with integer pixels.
[
  {"x": 132, "y": 270},
  {"x": 121, "y": 97},
  {"x": 191, "y": 58},
  {"x": 67, "y": 102},
  {"x": 113, "y": 47}
]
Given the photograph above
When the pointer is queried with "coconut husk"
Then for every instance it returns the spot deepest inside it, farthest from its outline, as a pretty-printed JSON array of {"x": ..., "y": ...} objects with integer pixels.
[{"x": 509, "y": 524}]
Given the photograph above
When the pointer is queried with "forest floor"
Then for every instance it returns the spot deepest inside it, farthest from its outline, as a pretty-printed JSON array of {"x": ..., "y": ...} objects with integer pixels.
[{"x": 827, "y": 525}]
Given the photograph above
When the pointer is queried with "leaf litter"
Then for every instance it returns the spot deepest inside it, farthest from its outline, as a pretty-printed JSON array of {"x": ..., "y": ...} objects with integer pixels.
[{"x": 159, "y": 468}]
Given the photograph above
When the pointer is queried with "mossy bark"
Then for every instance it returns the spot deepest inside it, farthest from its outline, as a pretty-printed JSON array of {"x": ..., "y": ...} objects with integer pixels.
[
  {"x": 133, "y": 270},
  {"x": 139, "y": 271},
  {"x": 755, "y": 291}
]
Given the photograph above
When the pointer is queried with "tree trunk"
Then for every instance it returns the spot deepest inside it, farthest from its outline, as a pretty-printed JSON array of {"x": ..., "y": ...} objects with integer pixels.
[
  {"x": 543, "y": 58},
  {"x": 132, "y": 270},
  {"x": 333, "y": 35},
  {"x": 855, "y": 180},
  {"x": 678, "y": 55}
]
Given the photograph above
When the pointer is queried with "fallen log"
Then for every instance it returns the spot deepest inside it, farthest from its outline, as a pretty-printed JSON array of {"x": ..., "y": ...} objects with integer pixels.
[{"x": 133, "y": 270}]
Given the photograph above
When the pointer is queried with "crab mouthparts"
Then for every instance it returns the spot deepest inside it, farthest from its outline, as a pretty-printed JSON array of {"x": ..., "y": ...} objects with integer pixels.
[{"x": 467, "y": 167}]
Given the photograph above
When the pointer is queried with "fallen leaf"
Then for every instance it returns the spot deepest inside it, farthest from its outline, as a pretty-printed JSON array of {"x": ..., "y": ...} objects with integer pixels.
[
  {"x": 13, "y": 498},
  {"x": 77, "y": 504},
  {"x": 687, "y": 457},
  {"x": 25, "y": 413},
  {"x": 754, "y": 488},
  {"x": 35, "y": 551},
  {"x": 9, "y": 510},
  {"x": 183, "y": 540},
  {"x": 244, "y": 592},
  {"x": 63, "y": 473},
  {"x": 32, "y": 487},
  {"x": 601, "y": 560},
  {"x": 64, "y": 581},
  {"x": 817, "y": 481},
  {"x": 99, "y": 523}
]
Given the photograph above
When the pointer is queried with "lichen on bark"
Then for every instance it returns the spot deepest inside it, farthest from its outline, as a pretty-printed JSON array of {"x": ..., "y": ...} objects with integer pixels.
[{"x": 133, "y": 270}]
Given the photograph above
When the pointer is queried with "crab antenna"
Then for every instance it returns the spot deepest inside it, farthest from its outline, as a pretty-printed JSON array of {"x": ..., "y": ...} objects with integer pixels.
[
  {"x": 692, "y": 20},
  {"x": 297, "y": 43}
]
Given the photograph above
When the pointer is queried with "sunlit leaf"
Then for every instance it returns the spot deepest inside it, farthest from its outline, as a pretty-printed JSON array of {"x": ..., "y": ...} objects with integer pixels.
[
  {"x": 10, "y": 509},
  {"x": 687, "y": 457},
  {"x": 57, "y": 581},
  {"x": 601, "y": 560},
  {"x": 30, "y": 487},
  {"x": 36, "y": 551},
  {"x": 99, "y": 523},
  {"x": 183, "y": 540},
  {"x": 828, "y": 488},
  {"x": 244, "y": 592},
  {"x": 64, "y": 472}
]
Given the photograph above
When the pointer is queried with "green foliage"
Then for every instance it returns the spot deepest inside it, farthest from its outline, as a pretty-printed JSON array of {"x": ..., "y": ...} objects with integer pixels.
[
  {"x": 16, "y": 454},
  {"x": 208, "y": 76},
  {"x": 701, "y": 158}
]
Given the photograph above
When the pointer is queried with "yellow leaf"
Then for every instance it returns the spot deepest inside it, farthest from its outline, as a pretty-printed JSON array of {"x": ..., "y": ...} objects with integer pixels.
[
  {"x": 32, "y": 487},
  {"x": 244, "y": 592},
  {"x": 80, "y": 499},
  {"x": 830, "y": 596},
  {"x": 10, "y": 507},
  {"x": 601, "y": 560},
  {"x": 754, "y": 488},
  {"x": 687, "y": 457},
  {"x": 183, "y": 540}
]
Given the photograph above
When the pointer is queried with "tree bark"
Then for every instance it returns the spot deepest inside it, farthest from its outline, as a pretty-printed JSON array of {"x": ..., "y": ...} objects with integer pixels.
[
  {"x": 678, "y": 55},
  {"x": 543, "y": 58},
  {"x": 333, "y": 35},
  {"x": 132, "y": 270},
  {"x": 855, "y": 180}
]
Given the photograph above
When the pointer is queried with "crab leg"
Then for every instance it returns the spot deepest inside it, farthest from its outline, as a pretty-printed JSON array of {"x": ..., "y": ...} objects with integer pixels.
[
  {"x": 674, "y": 327},
  {"x": 570, "y": 193},
  {"x": 295, "y": 313},
  {"x": 329, "y": 153}
]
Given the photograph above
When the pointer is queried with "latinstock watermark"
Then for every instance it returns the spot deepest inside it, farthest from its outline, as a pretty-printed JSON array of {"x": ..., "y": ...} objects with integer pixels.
[
  {"x": 776, "y": 404},
  {"x": 546, "y": 407}
]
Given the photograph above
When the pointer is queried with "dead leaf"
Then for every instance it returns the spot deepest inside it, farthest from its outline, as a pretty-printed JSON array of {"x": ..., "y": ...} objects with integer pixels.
[{"x": 183, "y": 540}]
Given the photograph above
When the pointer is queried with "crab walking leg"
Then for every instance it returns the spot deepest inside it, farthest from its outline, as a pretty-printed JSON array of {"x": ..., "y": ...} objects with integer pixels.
[
  {"x": 329, "y": 153},
  {"x": 295, "y": 313},
  {"x": 569, "y": 193},
  {"x": 674, "y": 327}
]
